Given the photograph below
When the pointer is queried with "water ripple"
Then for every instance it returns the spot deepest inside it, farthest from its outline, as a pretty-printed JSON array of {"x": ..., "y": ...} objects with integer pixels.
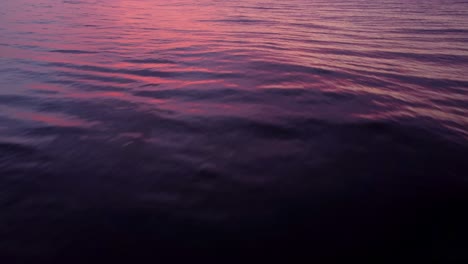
[{"x": 266, "y": 122}]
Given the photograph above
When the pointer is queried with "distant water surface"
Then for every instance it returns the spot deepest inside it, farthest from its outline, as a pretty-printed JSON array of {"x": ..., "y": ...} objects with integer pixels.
[{"x": 143, "y": 125}]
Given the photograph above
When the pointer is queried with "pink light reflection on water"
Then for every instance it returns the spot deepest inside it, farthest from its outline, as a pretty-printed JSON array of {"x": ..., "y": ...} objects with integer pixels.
[{"x": 128, "y": 47}]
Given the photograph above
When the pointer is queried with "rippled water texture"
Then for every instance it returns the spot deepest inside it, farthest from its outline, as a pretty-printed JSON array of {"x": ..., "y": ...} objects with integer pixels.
[{"x": 173, "y": 128}]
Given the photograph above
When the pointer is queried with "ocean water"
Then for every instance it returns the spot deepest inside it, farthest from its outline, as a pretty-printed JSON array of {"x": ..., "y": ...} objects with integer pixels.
[{"x": 221, "y": 130}]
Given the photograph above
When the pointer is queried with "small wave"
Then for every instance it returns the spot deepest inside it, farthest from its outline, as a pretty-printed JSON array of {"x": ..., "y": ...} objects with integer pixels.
[
  {"x": 151, "y": 61},
  {"x": 215, "y": 94},
  {"x": 74, "y": 51}
]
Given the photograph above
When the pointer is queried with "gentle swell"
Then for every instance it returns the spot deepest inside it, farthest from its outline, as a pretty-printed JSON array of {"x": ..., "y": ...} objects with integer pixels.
[{"x": 212, "y": 127}]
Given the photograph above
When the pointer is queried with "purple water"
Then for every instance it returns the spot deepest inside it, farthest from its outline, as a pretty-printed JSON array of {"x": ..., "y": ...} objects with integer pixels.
[{"x": 258, "y": 130}]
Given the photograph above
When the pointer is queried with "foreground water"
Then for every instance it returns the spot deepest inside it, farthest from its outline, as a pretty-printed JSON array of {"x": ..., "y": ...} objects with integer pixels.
[{"x": 181, "y": 129}]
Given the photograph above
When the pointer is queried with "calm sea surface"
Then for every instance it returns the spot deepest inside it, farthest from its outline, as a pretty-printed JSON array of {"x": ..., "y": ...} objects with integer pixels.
[{"x": 202, "y": 128}]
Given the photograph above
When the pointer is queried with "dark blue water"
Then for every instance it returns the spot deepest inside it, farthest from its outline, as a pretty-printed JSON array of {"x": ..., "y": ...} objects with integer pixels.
[{"x": 242, "y": 131}]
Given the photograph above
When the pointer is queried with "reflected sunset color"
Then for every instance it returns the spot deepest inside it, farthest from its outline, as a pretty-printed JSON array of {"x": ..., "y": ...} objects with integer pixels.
[
  {"x": 222, "y": 51},
  {"x": 258, "y": 122}
]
